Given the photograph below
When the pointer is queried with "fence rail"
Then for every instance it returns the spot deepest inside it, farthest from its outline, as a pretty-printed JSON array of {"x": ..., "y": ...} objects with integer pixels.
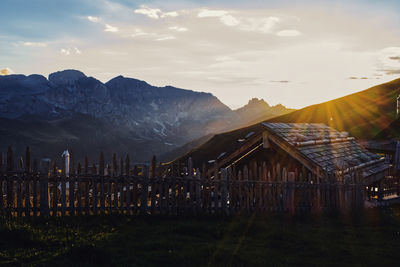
[
  {"x": 35, "y": 194},
  {"x": 104, "y": 189}
]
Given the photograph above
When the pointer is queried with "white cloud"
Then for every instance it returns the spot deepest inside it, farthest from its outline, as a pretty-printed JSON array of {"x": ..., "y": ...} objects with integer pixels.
[
  {"x": 139, "y": 32},
  {"x": 230, "y": 20},
  {"x": 385, "y": 60},
  {"x": 93, "y": 19},
  {"x": 178, "y": 29},
  {"x": 223, "y": 16},
  {"x": 166, "y": 37},
  {"x": 77, "y": 50},
  {"x": 288, "y": 33},
  {"x": 253, "y": 24},
  {"x": 35, "y": 44},
  {"x": 65, "y": 51},
  {"x": 155, "y": 13},
  {"x": 169, "y": 14},
  {"x": 263, "y": 25},
  {"x": 6, "y": 71},
  {"x": 206, "y": 13},
  {"x": 69, "y": 50},
  {"x": 150, "y": 12},
  {"x": 110, "y": 28}
]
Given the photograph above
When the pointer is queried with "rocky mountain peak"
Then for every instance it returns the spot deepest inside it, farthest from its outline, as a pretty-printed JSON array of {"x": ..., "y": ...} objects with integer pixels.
[{"x": 66, "y": 77}]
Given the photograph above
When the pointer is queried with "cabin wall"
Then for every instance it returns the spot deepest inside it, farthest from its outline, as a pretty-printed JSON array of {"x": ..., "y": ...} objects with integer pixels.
[{"x": 272, "y": 156}]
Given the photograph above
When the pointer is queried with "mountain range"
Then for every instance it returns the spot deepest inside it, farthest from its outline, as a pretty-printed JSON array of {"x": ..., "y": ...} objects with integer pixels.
[{"x": 72, "y": 111}]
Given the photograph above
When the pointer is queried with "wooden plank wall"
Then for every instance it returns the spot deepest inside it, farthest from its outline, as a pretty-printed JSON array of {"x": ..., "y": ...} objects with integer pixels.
[{"x": 98, "y": 188}]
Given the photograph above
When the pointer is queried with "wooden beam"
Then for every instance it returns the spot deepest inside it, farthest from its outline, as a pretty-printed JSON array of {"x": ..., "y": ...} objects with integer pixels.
[
  {"x": 294, "y": 153},
  {"x": 266, "y": 143},
  {"x": 246, "y": 146}
]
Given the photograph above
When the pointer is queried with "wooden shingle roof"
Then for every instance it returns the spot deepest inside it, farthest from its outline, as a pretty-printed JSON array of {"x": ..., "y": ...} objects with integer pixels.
[{"x": 331, "y": 150}]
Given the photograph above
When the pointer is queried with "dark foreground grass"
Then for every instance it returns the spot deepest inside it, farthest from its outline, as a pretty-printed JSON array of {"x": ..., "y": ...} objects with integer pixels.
[{"x": 371, "y": 239}]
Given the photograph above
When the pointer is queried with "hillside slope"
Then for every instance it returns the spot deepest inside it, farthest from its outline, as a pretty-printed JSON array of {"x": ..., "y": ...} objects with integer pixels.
[{"x": 364, "y": 115}]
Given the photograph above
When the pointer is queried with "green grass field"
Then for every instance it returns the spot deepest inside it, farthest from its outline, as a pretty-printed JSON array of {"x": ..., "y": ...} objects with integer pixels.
[{"x": 372, "y": 239}]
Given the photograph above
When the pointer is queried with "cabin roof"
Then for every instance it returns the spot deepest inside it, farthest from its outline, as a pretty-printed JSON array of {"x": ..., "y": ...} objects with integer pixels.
[{"x": 331, "y": 150}]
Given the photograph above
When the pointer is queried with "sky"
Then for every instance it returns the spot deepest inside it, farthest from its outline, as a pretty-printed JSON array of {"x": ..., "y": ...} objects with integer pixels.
[{"x": 296, "y": 53}]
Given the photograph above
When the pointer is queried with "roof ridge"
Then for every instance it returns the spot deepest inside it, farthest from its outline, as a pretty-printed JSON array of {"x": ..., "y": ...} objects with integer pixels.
[{"x": 323, "y": 141}]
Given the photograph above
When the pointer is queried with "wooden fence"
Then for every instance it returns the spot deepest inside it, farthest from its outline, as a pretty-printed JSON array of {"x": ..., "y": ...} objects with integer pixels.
[{"x": 104, "y": 189}]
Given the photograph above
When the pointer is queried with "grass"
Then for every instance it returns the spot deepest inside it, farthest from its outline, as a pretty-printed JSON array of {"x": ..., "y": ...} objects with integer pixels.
[{"x": 372, "y": 238}]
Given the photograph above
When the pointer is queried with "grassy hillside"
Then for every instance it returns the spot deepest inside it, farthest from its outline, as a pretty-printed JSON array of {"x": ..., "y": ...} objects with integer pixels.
[
  {"x": 364, "y": 115},
  {"x": 370, "y": 239}
]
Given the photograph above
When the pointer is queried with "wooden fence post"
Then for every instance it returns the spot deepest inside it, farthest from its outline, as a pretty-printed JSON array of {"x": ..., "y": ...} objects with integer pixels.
[
  {"x": 27, "y": 160},
  {"x": 10, "y": 160},
  {"x": 291, "y": 192},
  {"x": 240, "y": 191},
  {"x": 44, "y": 196},
  {"x": 173, "y": 194},
  {"x": 1, "y": 161},
  {"x": 19, "y": 197},
  {"x": 191, "y": 186},
  {"x": 95, "y": 184},
  {"x": 128, "y": 185},
  {"x": 230, "y": 181},
  {"x": 145, "y": 192},
  {"x": 1, "y": 189},
  {"x": 27, "y": 182},
  {"x": 63, "y": 194},
  {"x": 246, "y": 188},
  {"x": 10, "y": 180},
  {"x": 224, "y": 191},
  {"x": 198, "y": 191},
  {"x": 153, "y": 185},
  {"x": 71, "y": 193}
]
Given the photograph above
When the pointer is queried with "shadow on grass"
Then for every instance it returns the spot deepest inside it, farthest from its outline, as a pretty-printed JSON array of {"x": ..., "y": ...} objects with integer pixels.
[{"x": 369, "y": 238}]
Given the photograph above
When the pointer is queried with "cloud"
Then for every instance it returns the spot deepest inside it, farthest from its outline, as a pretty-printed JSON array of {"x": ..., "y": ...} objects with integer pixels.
[
  {"x": 35, "y": 44},
  {"x": 282, "y": 81},
  {"x": 68, "y": 51},
  {"x": 6, "y": 71},
  {"x": 139, "y": 32},
  {"x": 392, "y": 72},
  {"x": 262, "y": 25},
  {"x": 166, "y": 37},
  {"x": 356, "y": 78},
  {"x": 65, "y": 51},
  {"x": 389, "y": 61},
  {"x": 206, "y": 13},
  {"x": 151, "y": 35},
  {"x": 152, "y": 13},
  {"x": 169, "y": 14},
  {"x": 178, "y": 29},
  {"x": 288, "y": 33},
  {"x": 77, "y": 50},
  {"x": 230, "y": 20},
  {"x": 252, "y": 24},
  {"x": 109, "y": 28},
  {"x": 93, "y": 19},
  {"x": 155, "y": 13}
]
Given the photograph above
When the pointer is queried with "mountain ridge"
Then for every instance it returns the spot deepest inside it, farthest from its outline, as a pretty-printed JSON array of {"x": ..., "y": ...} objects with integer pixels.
[{"x": 162, "y": 117}]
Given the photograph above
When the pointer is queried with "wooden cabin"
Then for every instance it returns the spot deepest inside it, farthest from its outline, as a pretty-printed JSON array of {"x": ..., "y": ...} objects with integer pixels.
[{"x": 314, "y": 151}]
